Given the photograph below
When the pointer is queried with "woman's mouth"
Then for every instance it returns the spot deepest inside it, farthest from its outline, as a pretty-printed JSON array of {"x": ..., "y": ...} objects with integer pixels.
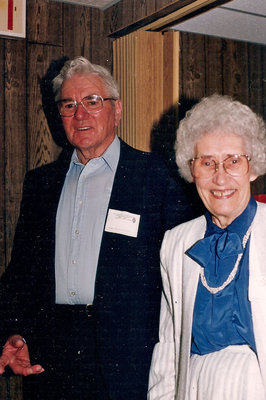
[{"x": 223, "y": 193}]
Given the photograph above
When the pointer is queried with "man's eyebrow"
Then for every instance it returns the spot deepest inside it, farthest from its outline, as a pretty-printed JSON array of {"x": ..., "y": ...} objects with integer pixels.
[{"x": 66, "y": 99}]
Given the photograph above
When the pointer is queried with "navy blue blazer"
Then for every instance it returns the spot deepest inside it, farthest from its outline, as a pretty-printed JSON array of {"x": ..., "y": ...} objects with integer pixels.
[{"x": 128, "y": 283}]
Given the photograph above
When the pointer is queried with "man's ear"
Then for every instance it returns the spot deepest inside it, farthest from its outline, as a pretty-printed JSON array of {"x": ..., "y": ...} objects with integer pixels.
[{"x": 118, "y": 111}]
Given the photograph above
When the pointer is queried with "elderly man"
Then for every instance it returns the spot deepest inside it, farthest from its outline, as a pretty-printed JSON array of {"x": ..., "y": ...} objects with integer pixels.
[{"x": 82, "y": 291}]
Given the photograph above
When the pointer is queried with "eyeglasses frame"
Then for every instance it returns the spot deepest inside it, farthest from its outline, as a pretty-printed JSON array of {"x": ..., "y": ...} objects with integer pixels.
[
  {"x": 76, "y": 103},
  {"x": 220, "y": 163}
]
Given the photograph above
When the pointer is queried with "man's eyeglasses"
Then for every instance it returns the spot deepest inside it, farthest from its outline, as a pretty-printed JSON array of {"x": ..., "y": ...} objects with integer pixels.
[
  {"x": 206, "y": 166},
  {"x": 92, "y": 104}
]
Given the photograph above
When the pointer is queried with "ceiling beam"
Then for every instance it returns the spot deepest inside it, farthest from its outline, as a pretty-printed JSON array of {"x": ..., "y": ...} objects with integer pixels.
[{"x": 169, "y": 15}]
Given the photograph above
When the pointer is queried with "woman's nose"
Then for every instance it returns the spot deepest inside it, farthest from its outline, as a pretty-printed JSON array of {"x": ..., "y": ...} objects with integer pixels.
[{"x": 220, "y": 175}]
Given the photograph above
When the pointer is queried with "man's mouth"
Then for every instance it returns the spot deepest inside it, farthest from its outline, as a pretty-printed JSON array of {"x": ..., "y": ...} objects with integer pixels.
[{"x": 83, "y": 128}]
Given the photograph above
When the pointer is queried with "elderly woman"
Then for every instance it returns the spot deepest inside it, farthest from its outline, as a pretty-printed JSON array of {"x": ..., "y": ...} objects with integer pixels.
[{"x": 213, "y": 312}]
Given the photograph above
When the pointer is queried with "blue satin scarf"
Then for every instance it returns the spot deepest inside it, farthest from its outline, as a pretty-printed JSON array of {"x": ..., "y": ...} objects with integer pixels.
[{"x": 223, "y": 319}]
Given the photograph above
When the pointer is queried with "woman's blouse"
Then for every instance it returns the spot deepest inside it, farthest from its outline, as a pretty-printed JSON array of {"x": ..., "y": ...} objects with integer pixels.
[{"x": 224, "y": 318}]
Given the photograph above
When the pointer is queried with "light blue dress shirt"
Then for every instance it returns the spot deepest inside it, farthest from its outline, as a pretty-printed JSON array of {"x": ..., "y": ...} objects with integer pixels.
[{"x": 80, "y": 223}]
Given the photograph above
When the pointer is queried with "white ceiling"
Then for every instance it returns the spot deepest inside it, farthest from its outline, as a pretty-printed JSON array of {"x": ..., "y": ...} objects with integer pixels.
[{"x": 239, "y": 20}]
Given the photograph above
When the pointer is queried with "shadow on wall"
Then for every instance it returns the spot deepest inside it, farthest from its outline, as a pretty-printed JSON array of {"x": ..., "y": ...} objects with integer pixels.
[
  {"x": 49, "y": 105},
  {"x": 163, "y": 136}
]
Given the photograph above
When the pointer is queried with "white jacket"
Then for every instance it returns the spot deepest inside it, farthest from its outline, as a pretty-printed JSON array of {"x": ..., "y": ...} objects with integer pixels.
[{"x": 180, "y": 275}]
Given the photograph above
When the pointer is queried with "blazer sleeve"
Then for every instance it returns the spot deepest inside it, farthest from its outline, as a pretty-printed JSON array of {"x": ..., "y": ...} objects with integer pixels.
[
  {"x": 25, "y": 285},
  {"x": 162, "y": 378}
]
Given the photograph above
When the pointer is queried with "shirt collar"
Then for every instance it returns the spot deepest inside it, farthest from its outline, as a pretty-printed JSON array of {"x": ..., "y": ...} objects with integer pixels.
[
  {"x": 110, "y": 156},
  {"x": 239, "y": 225}
]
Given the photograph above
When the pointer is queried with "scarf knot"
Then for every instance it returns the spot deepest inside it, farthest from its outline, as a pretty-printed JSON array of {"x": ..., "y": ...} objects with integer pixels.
[{"x": 222, "y": 245}]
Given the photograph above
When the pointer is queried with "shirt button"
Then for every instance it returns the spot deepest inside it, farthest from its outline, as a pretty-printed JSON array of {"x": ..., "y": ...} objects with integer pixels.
[
  {"x": 76, "y": 231},
  {"x": 74, "y": 262},
  {"x": 73, "y": 293}
]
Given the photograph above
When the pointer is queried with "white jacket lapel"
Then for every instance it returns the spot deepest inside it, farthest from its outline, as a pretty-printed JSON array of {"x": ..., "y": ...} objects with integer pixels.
[
  {"x": 190, "y": 278},
  {"x": 257, "y": 284}
]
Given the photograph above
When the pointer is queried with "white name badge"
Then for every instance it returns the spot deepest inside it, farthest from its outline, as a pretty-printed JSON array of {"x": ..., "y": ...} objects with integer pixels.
[{"x": 122, "y": 222}]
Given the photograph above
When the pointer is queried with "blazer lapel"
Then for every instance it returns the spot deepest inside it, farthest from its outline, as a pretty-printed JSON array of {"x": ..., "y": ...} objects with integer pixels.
[
  {"x": 120, "y": 198},
  {"x": 126, "y": 180},
  {"x": 190, "y": 278}
]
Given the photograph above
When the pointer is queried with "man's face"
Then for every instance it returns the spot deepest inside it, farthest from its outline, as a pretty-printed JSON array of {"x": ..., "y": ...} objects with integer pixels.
[{"x": 91, "y": 134}]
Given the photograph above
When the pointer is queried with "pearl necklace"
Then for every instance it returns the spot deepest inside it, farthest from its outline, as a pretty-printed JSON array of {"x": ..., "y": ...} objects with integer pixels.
[{"x": 232, "y": 274}]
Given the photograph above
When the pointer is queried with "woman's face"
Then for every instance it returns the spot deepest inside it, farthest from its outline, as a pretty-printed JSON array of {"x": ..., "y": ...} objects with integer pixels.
[{"x": 223, "y": 195}]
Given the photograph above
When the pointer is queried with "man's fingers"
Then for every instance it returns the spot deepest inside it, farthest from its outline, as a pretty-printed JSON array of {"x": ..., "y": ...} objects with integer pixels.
[
  {"x": 31, "y": 370},
  {"x": 2, "y": 367},
  {"x": 17, "y": 341},
  {"x": 4, "y": 361},
  {"x": 16, "y": 356},
  {"x": 36, "y": 369},
  {"x": 25, "y": 371}
]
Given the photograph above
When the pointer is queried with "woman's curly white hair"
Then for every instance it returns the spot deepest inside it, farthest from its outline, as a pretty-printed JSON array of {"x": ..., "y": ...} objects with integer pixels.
[{"x": 221, "y": 115}]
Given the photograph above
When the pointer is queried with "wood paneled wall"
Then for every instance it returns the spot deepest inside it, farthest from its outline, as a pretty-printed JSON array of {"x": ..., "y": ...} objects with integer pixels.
[
  {"x": 209, "y": 65},
  {"x": 146, "y": 66},
  {"x": 138, "y": 68}
]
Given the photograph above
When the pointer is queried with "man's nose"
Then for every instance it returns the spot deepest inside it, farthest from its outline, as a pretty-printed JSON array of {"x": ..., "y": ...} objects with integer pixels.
[{"x": 80, "y": 112}]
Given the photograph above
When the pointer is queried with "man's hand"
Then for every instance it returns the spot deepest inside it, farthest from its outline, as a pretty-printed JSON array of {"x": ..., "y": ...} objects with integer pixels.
[{"x": 16, "y": 355}]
